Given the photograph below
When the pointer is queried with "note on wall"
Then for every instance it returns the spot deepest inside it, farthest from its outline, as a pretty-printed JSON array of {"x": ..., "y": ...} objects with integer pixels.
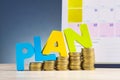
[{"x": 103, "y": 20}]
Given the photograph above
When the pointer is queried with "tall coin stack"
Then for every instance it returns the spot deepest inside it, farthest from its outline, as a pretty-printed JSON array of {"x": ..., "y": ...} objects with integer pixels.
[
  {"x": 49, "y": 65},
  {"x": 88, "y": 58},
  {"x": 35, "y": 66},
  {"x": 62, "y": 63},
  {"x": 75, "y": 62}
]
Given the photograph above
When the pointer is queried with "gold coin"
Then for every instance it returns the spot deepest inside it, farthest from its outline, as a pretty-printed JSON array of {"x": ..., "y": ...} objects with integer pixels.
[
  {"x": 35, "y": 66},
  {"x": 34, "y": 69},
  {"x": 62, "y": 69},
  {"x": 32, "y": 64},
  {"x": 52, "y": 65},
  {"x": 72, "y": 54},
  {"x": 87, "y": 55},
  {"x": 62, "y": 58},
  {"x": 89, "y": 68},
  {"x": 77, "y": 60},
  {"x": 90, "y": 59},
  {"x": 62, "y": 66},
  {"x": 62, "y": 62},
  {"x": 88, "y": 62},
  {"x": 88, "y": 65},
  {"x": 75, "y": 67},
  {"x": 49, "y": 62},
  {"x": 75, "y": 63},
  {"x": 49, "y": 69},
  {"x": 74, "y": 58},
  {"x": 87, "y": 49}
]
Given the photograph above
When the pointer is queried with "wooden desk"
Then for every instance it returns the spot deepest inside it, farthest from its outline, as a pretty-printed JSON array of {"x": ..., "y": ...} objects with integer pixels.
[{"x": 8, "y": 72}]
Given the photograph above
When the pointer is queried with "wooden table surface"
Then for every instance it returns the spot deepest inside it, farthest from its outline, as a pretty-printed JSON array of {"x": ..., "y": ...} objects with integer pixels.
[{"x": 8, "y": 72}]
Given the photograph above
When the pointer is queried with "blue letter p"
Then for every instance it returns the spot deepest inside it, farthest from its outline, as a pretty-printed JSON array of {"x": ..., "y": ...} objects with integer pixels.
[{"x": 20, "y": 55}]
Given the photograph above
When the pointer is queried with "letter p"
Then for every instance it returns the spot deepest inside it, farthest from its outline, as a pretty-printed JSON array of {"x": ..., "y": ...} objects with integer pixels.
[{"x": 21, "y": 55}]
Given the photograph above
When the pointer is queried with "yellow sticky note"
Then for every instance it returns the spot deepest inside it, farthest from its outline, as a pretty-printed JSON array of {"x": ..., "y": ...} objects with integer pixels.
[
  {"x": 83, "y": 39},
  {"x": 75, "y": 15},
  {"x": 55, "y": 43},
  {"x": 74, "y": 3}
]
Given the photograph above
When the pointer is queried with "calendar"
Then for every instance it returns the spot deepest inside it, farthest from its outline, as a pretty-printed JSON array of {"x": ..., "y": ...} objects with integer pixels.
[{"x": 103, "y": 20}]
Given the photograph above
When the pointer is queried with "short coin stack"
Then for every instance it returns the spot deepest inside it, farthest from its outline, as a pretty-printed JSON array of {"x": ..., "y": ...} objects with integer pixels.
[
  {"x": 35, "y": 66},
  {"x": 62, "y": 63},
  {"x": 88, "y": 58},
  {"x": 75, "y": 62},
  {"x": 49, "y": 65}
]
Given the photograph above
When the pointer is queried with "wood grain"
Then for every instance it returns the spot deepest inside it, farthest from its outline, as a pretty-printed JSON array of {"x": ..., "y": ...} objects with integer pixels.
[{"x": 8, "y": 72}]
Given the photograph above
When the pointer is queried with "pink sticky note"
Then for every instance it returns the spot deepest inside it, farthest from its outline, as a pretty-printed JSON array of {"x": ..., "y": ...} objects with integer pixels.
[
  {"x": 117, "y": 29},
  {"x": 93, "y": 29},
  {"x": 75, "y": 27},
  {"x": 107, "y": 30}
]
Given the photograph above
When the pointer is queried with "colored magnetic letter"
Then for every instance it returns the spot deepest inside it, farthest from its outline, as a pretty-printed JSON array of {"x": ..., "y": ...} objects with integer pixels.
[
  {"x": 83, "y": 39},
  {"x": 55, "y": 43},
  {"x": 38, "y": 52},
  {"x": 21, "y": 56}
]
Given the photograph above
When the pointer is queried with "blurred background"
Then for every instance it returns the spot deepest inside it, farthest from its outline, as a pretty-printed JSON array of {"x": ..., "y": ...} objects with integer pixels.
[{"x": 21, "y": 20}]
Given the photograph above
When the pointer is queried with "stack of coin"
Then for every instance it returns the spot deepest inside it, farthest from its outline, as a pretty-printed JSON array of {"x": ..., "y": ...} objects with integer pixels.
[
  {"x": 75, "y": 62},
  {"x": 49, "y": 65},
  {"x": 88, "y": 58},
  {"x": 35, "y": 66},
  {"x": 62, "y": 63}
]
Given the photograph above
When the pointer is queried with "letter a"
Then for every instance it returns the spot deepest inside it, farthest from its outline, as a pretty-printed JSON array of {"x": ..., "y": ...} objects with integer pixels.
[{"x": 55, "y": 43}]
